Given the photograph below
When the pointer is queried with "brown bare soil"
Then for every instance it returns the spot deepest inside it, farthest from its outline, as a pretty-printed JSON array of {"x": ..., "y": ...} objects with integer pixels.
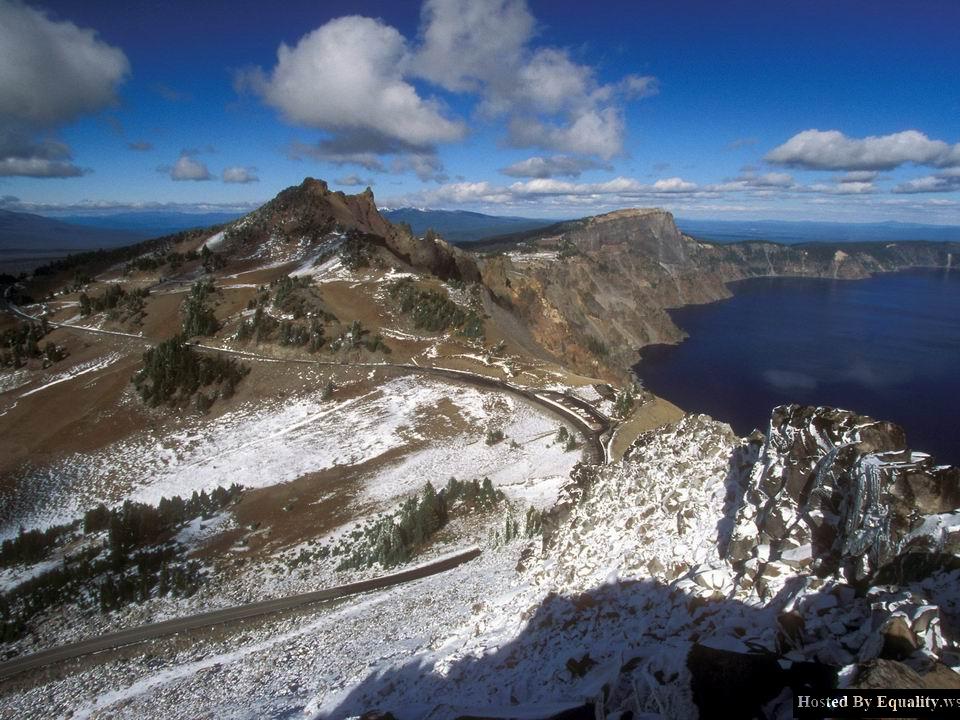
[{"x": 78, "y": 415}]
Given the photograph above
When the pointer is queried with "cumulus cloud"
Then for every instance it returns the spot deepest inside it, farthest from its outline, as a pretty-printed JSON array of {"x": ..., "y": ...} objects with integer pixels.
[
  {"x": 354, "y": 181},
  {"x": 554, "y": 166},
  {"x": 38, "y": 167},
  {"x": 832, "y": 150},
  {"x": 635, "y": 87},
  {"x": 484, "y": 47},
  {"x": 859, "y": 176},
  {"x": 353, "y": 78},
  {"x": 52, "y": 73},
  {"x": 371, "y": 153},
  {"x": 239, "y": 174},
  {"x": 853, "y": 187},
  {"x": 946, "y": 181},
  {"x": 187, "y": 167},
  {"x": 752, "y": 179},
  {"x": 618, "y": 191},
  {"x": 348, "y": 76},
  {"x": 592, "y": 132}
]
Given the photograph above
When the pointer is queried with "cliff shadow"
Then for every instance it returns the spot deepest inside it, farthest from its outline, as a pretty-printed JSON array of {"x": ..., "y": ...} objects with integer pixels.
[
  {"x": 633, "y": 647},
  {"x": 741, "y": 460}
]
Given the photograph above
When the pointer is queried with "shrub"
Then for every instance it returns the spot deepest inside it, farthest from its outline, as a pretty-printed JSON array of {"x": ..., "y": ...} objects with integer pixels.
[
  {"x": 198, "y": 318},
  {"x": 173, "y": 372}
]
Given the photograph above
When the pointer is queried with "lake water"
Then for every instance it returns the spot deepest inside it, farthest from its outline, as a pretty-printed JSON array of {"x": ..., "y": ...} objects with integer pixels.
[{"x": 888, "y": 347}]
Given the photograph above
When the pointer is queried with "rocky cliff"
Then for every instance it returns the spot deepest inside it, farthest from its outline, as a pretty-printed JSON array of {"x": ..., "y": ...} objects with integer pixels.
[
  {"x": 706, "y": 570},
  {"x": 308, "y": 218},
  {"x": 594, "y": 291}
]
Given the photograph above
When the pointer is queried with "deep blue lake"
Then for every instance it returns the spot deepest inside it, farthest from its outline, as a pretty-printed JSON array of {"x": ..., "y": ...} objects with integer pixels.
[{"x": 888, "y": 347}]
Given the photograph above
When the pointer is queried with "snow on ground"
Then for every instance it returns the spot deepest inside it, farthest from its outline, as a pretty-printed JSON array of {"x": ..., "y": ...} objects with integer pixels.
[
  {"x": 282, "y": 666},
  {"x": 14, "y": 379},
  {"x": 631, "y": 579},
  {"x": 525, "y": 257},
  {"x": 195, "y": 532},
  {"x": 529, "y": 465},
  {"x": 76, "y": 371},
  {"x": 11, "y": 577},
  {"x": 214, "y": 241},
  {"x": 258, "y": 446},
  {"x": 327, "y": 271}
]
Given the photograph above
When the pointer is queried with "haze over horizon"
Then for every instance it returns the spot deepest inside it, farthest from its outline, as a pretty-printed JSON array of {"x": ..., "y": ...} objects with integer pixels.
[{"x": 754, "y": 112}]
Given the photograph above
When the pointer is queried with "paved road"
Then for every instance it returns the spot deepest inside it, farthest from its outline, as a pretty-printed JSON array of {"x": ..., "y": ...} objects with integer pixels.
[
  {"x": 591, "y": 424},
  {"x": 133, "y": 636}
]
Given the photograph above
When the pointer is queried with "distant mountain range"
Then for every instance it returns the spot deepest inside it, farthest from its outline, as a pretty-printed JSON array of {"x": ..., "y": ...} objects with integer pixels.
[
  {"x": 793, "y": 232},
  {"x": 153, "y": 223},
  {"x": 32, "y": 233},
  {"x": 461, "y": 226}
]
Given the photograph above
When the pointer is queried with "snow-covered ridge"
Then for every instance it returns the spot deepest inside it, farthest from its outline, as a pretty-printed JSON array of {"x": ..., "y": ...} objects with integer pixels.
[{"x": 638, "y": 579}]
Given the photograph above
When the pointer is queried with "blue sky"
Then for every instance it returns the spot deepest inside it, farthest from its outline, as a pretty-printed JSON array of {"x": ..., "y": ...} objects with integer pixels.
[{"x": 734, "y": 110}]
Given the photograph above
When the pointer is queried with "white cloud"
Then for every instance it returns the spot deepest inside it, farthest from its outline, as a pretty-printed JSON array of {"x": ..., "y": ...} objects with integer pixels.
[
  {"x": 352, "y": 78},
  {"x": 639, "y": 86},
  {"x": 106, "y": 207},
  {"x": 51, "y": 72},
  {"x": 554, "y": 166},
  {"x": 593, "y": 132},
  {"x": 674, "y": 185},
  {"x": 188, "y": 167},
  {"x": 859, "y": 176},
  {"x": 354, "y": 181},
  {"x": 622, "y": 191},
  {"x": 238, "y": 174},
  {"x": 473, "y": 45},
  {"x": 832, "y": 150},
  {"x": 347, "y": 76},
  {"x": 946, "y": 181},
  {"x": 841, "y": 188},
  {"x": 38, "y": 167},
  {"x": 555, "y": 103}
]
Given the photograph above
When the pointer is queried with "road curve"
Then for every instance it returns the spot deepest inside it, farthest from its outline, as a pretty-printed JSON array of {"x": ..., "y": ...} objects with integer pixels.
[
  {"x": 134, "y": 636},
  {"x": 591, "y": 424}
]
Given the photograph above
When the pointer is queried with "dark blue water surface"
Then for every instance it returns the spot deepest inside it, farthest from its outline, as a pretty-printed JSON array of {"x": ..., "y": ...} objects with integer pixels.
[{"x": 888, "y": 347}]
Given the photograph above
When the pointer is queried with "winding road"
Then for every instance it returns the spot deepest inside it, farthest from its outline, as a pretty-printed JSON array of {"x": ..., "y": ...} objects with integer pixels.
[
  {"x": 591, "y": 424},
  {"x": 143, "y": 633}
]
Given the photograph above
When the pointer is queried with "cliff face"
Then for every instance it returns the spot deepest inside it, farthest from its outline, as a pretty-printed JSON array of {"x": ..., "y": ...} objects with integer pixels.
[{"x": 595, "y": 291}]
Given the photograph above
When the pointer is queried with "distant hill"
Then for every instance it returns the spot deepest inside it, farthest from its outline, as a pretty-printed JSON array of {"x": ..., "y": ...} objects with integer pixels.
[
  {"x": 35, "y": 233},
  {"x": 153, "y": 223},
  {"x": 793, "y": 232},
  {"x": 461, "y": 226}
]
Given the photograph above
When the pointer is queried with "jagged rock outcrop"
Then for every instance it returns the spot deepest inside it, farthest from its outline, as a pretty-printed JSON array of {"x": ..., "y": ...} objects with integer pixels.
[
  {"x": 310, "y": 217},
  {"x": 842, "y": 494},
  {"x": 640, "y": 599}
]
